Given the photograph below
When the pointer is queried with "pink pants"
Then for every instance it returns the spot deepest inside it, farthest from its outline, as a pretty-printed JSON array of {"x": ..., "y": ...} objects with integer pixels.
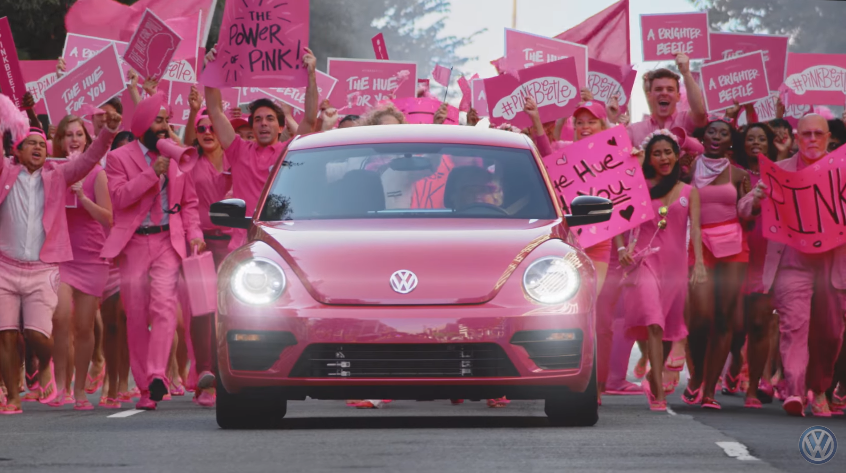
[
  {"x": 149, "y": 270},
  {"x": 606, "y": 313},
  {"x": 28, "y": 289},
  {"x": 809, "y": 310}
]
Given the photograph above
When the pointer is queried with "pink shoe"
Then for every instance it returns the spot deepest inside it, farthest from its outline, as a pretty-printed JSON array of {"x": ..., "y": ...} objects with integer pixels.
[
  {"x": 654, "y": 404},
  {"x": 710, "y": 403},
  {"x": 205, "y": 380},
  {"x": 146, "y": 404},
  {"x": 84, "y": 405},
  {"x": 58, "y": 399},
  {"x": 794, "y": 406},
  {"x": 627, "y": 389},
  {"x": 177, "y": 391},
  {"x": 69, "y": 399},
  {"x": 498, "y": 403},
  {"x": 9, "y": 409},
  {"x": 109, "y": 403},
  {"x": 135, "y": 393},
  {"x": 204, "y": 399},
  {"x": 691, "y": 397},
  {"x": 32, "y": 396},
  {"x": 640, "y": 369},
  {"x": 753, "y": 403},
  {"x": 53, "y": 389}
]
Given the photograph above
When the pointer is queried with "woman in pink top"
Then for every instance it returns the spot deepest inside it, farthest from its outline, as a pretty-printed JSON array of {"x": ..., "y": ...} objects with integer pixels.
[
  {"x": 716, "y": 305},
  {"x": 655, "y": 285},
  {"x": 84, "y": 279}
]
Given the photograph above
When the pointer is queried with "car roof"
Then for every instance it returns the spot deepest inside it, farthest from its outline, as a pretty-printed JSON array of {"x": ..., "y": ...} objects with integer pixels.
[{"x": 450, "y": 134}]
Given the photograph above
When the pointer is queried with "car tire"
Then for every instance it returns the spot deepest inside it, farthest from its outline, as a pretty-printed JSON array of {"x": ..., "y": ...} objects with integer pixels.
[
  {"x": 569, "y": 409},
  {"x": 239, "y": 411}
]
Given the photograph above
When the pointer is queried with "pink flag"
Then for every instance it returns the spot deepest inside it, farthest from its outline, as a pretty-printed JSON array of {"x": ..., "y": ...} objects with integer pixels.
[
  {"x": 379, "y": 47},
  {"x": 11, "y": 79},
  {"x": 151, "y": 47},
  {"x": 442, "y": 75},
  {"x": 262, "y": 45},
  {"x": 606, "y": 34},
  {"x": 466, "y": 93}
]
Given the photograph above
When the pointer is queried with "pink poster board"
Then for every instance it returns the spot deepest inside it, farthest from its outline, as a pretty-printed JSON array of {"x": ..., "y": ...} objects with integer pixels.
[
  {"x": 295, "y": 97},
  {"x": 79, "y": 48},
  {"x": 524, "y": 50},
  {"x": 664, "y": 35},
  {"x": 816, "y": 79},
  {"x": 729, "y": 45},
  {"x": 480, "y": 97},
  {"x": 741, "y": 78},
  {"x": 553, "y": 85},
  {"x": 605, "y": 80},
  {"x": 11, "y": 77},
  {"x": 181, "y": 108},
  {"x": 251, "y": 94},
  {"x": 93, "y": 83},
  {"x": 602, "y": 165},
  {"x": 364, "y": 83},
  {"x": 421, "y": 111},
  {"x": 39, "y": 75},
  {"x": 152, "y": 46},
  {"x": 261, "y": 45},
  {"x": 803, "y": 210},
  {"x": 379, "y": 47}
]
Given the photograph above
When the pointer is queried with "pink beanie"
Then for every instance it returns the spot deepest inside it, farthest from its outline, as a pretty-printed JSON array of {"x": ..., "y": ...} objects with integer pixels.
[{"x": 146, "y": 113}]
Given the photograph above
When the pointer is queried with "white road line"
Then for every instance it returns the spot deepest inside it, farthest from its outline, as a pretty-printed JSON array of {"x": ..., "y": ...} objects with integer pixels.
[
  {"x": 670, "y": 410},
  {"x": 128, "y": 413},
  {"x": 736, "y": 450}
]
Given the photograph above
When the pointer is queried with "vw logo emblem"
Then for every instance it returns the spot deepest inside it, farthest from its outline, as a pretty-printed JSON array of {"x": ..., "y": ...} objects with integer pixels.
[
  {"x": 403, "y": 281},
  {"x": 817, "y": 445}
]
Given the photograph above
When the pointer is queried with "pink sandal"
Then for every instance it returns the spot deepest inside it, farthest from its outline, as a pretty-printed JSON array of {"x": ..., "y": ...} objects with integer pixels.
[
  {"x": 10, "y": 409},
  {"x": 640, "y": 369},
  {"x": 627, "y": 389},
  {"x": 654, "y": 404},
  {"x": 691, "y": 397},
  {"x": 83, "y": 405},
  {"x": 498, "y": 403},
  {"x": 710, "y": 403},
  {"x": 51, "y": 386},
  {"x": 731, "y": 384},
  {"x": 671, "y": 363},
  {"x": 753, "y": 403},
  {"x": 109, "y": 403},
  {"x": 92, "y": 385},
  {"x": 32, "y": 396}
]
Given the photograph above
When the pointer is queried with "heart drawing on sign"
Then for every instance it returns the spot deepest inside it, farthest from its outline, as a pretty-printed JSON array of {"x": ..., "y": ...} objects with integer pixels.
[
  {"x": 562, "y": 160},
  {"x": 627, "y": 213},
  {"x": 612, "y": 141},
  {"x": 631, "y": 172}
]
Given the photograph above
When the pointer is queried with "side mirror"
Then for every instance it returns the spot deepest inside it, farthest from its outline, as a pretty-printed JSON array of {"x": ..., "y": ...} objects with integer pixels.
[
  {"x": 230, "y": 213},
  {"x": 588, "y": 209}
]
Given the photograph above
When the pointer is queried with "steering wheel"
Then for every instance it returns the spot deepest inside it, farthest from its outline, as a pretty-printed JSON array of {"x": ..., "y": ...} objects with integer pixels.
[{"x": 484, "y": 206}]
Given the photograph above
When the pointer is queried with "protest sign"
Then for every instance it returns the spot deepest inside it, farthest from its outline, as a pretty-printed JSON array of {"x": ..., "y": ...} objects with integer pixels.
[
  {"x": 602, "y": 165},
  {"x": 93, "y": 83},
  {"x": 765, "y": 109},
  {"x": 805, "y": 209},
  {"x": 379, "y": 47},
  {"x": 295, "y": 97},
  {"x": 553, "y": 85},
  {"x": 152, "y": 46},
  {"x": 605, "y": 80},
  {"x": 741, "y": 78},
  {"x": 816, "y": 79},
  {"x": 11, "y": 77},
  {"x": 729, "y": 45},
  {"x": 480, "y": 97},
  {"x": 251, "y": 94},
  {"x": 261, "y": 45},
  {"x": 363, "y": 83},
  {"x": 524, "y": 50},
  {"x": 38, "y": 76},
  {"x": 79, "y": 48},
  {"x": 466, "y": 93},
  {"x": 663, "y": 36},
  {"x": 181, "y": 107},
  {"x": 421, "y": 111}
]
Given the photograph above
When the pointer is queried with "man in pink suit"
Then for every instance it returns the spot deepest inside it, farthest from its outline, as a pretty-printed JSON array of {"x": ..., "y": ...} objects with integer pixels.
[
  {"x": 33, "y": 241},
  {"x": 155, "y": 214},
  {"x": 807, "y": 290}
]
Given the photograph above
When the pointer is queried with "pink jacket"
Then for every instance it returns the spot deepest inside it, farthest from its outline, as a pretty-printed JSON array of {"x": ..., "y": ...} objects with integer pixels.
[
  {"x": 776, "y": 249},
  {"x": 133, "y": 185},
  {"x": 57, "y": 177}
]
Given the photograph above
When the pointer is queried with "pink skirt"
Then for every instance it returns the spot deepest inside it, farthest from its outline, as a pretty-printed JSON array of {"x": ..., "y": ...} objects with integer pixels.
[
  {"x": 646, "y": 303},
  {"x": 113, "y": 283},
  {"x": 90, "y": 278}
]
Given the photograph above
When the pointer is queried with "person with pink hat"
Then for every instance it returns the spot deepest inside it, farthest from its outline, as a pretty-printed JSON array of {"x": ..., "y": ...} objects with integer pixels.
[
  {"x": 155, "y": 215},
  {"x": 34, "y": 239}
]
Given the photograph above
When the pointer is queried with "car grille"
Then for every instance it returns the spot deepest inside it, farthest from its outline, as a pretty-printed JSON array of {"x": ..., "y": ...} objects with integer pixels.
[
  {"x": 448, "y": 360},
  {"x": 551, "y": 354}
]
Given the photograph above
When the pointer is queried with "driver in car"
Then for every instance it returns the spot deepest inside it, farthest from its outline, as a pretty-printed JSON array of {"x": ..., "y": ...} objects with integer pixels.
[{"x": 471, "y": 186}]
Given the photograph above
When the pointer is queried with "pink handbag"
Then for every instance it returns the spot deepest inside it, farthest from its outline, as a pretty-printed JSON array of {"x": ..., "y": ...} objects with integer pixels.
[
  {"x": 201, "y": 281},
  {"x": 723, "y": 240}
]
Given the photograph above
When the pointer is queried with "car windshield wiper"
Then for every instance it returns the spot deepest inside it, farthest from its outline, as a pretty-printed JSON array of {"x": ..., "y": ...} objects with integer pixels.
[{"x": 412, "y": 211}]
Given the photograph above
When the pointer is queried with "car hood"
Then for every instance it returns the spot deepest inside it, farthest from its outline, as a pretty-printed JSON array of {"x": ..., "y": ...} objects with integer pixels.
[{"x": 351, "y": 262}]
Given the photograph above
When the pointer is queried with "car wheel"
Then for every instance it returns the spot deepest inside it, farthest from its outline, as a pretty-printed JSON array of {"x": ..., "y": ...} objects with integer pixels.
[
  {"x": 240, "y": 411},
  {"x": 569, "y": 409}
]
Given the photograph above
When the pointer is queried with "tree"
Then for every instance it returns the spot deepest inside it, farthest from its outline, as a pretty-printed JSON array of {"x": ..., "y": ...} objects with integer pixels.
[
  {"x": 37, "y": 25},
  {"x": 811, "y": 24}
]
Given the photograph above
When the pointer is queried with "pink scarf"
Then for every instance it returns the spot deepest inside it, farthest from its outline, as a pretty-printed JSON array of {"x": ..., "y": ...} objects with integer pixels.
[{"x": 708, "y": 169}]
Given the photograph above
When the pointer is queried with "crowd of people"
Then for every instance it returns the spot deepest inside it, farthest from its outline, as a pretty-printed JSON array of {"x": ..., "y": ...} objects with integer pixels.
[{"x": 92, "y": 292}]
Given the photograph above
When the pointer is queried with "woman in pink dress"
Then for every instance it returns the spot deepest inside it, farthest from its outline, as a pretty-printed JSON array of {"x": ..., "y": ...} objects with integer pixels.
[
  {"x": 84, "y": 279},
  {"x": 655, "y": 282}
]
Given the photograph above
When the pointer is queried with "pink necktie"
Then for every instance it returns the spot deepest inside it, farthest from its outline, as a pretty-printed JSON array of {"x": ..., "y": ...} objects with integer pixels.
[{"x": 156, "y": 214}]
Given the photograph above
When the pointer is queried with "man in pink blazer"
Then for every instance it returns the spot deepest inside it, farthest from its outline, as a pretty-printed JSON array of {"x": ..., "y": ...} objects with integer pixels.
[
  {"x": 807, "y": 290},
  {"x": 33, "y": 240},
  {"x": 155, "y": 214}
]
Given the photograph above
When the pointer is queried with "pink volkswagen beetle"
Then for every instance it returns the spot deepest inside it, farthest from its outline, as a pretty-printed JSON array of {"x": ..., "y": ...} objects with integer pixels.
[{"x": 407, "y": 262}]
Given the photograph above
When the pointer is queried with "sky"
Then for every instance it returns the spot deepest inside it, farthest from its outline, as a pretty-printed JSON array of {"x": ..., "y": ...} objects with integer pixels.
[{"x": 548, "y": 18}]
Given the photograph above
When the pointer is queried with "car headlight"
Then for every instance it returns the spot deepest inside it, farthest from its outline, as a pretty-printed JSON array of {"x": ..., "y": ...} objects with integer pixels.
[
  {"x": 258, "y": 281},
  {"x": 551, "y": 280}
]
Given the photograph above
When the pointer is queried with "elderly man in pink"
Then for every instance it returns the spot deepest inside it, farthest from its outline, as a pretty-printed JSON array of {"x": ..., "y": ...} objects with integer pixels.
[
  {"x": 662, "y": 89},
  {"x": 33, "y": 241},
  {"x": 155, "y": 214},
  {"x": 807, "y": 290}
]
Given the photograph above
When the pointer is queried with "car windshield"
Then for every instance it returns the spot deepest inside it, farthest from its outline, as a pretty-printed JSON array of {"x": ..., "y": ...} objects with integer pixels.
[{"x": 408, "y": 180}]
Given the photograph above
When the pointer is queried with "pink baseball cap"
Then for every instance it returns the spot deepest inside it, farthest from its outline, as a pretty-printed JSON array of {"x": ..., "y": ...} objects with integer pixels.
[
  {"x": 597, "y": 109},
  {"x": 238, "y": 123}
]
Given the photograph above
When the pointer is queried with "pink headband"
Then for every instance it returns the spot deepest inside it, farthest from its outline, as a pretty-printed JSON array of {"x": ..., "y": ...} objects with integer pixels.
[{"x": 32, "y": 131}]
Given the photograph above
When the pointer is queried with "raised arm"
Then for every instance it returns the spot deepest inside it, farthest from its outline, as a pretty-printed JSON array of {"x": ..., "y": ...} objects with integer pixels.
[
  {"x": 194, "y": 101},
  {"x": 29, "y": 104},
  {"x": 214, "y": 107},
  {"x": 76, "y": 169},
  {"x": 312, "y": 97},
  {"x": 694, "y": 94}
]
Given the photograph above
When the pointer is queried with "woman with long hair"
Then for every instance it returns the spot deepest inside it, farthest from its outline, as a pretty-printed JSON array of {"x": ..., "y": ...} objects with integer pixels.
[{"x": 655, "y": 285}]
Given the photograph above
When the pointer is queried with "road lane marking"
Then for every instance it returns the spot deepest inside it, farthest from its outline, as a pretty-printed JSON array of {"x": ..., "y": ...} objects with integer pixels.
[
  {"x": 736, "y": 450},
  {"x": 128, "y": 413},
  {"x": 670, "y": 410}
]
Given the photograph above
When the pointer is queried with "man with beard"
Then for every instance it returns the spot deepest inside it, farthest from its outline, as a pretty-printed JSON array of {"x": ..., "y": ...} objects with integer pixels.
[
  {"x": 806, "y": 288},
  {"x": 155, "y": 213},
  {"x": 663, "y": 94},
  {"x": 252, "y": 161}
]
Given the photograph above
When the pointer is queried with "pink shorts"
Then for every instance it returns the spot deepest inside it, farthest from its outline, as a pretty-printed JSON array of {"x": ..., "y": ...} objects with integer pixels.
[
  {"x": 90, "y": 278},
  {"x": 28, "y": 291}
]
